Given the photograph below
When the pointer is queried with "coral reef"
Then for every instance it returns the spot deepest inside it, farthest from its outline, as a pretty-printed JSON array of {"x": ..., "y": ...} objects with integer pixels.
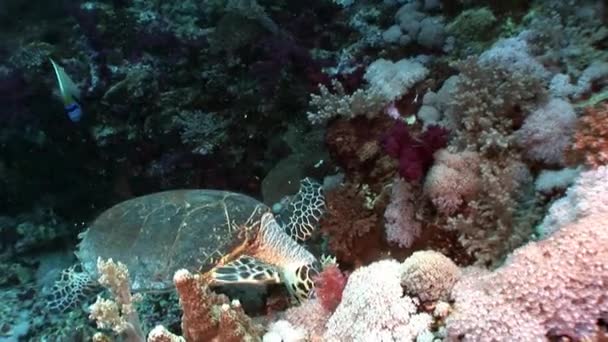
[
  {"x": 461, "y": 146},
  {"x": 542, "y": 287}
]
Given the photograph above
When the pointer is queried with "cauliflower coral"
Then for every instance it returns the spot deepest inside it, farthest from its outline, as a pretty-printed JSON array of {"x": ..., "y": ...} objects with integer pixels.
[
  {"x": 429, "y": 275},
  {"x": 373, "y": 308}
]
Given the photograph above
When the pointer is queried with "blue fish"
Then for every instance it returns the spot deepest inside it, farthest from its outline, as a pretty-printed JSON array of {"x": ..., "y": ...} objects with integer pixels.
[{"x": 70, "y": 94}]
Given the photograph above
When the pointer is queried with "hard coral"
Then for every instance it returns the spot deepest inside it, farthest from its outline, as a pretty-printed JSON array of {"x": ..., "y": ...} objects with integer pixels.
[
  {"x": 429, "y": 275},
  {"x": 415, "y": 153},
  {"x": 591, "y": 137},
  {"x": 489, "y": 103},
  {"x": 503, "y": 215}
]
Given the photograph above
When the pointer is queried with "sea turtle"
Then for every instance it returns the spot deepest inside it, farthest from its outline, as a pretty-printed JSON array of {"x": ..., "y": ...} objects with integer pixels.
[{"x": 230, "y": 237}]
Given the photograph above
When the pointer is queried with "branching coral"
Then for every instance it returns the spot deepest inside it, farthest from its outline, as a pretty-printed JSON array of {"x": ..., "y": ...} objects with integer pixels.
[
  {"x": 208, "y": 315},
  {"x": 387, "y": 81},
  {"x": 591, "y": 137},
  {"x": 205, "y": 132},
  {"x": 503, "y": 214},
  {"x": 353, "y": 231},
  {"x": 487, "y": 107},
  {"x": 489, "y": 104}
]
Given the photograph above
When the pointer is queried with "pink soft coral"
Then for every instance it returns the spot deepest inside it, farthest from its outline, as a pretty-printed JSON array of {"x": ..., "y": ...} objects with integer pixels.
[
  {"x": 558, "y": 284},
  {"x": 329, "y": 285},
  {"x": 401, "y": 225},
  {"x": 453, "y": 180}
]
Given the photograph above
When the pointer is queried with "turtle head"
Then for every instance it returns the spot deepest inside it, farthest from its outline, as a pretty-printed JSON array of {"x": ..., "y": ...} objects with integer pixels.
[{"x": 299, "y": 280}]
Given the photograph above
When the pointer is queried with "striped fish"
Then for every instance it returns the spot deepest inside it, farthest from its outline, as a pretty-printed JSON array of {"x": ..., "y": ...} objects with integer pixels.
[{"x": 70, "y": 94}]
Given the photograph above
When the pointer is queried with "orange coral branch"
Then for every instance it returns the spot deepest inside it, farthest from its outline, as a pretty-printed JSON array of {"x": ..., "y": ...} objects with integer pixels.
[{"x": 591, "y": 137}]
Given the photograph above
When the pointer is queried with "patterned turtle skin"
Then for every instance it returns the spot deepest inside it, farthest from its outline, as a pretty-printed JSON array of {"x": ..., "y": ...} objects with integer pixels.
[{"x": 199, "y": 230}]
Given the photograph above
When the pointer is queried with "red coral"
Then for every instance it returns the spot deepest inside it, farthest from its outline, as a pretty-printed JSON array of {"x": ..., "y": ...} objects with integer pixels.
[
  {"x": 201, "y": 306},
  {"x": 354, "y": 145},
  {"x": 591, "y": 138},
  {"x": 415, "y": 154},
  {"x": 329, "y": 285},
  {"x": 354, "y": 232}
]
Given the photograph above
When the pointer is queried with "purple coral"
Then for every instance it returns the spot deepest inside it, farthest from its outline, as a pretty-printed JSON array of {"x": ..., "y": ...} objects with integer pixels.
[{"x": 415, "y": 154}]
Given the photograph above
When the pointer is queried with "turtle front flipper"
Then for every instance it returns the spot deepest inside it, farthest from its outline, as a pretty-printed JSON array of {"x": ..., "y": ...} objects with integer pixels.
[
  {"x": 245, "y": 270},
  {"x": 300, "y": 217}
]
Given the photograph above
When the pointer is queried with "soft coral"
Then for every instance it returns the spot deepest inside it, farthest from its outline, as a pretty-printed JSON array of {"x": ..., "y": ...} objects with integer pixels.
[
  {"x": 415, "y": 154},
  {"x": 591, "y": 138},
  {"x": 329, "y": 285}
]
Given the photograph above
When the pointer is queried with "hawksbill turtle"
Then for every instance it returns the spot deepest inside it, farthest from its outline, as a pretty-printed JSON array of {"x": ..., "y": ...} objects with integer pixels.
[{"x": 230, "y": 237}]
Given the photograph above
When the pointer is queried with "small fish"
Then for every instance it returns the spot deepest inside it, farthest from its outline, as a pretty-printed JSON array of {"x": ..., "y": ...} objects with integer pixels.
[{"x": 70, "y": 94}]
